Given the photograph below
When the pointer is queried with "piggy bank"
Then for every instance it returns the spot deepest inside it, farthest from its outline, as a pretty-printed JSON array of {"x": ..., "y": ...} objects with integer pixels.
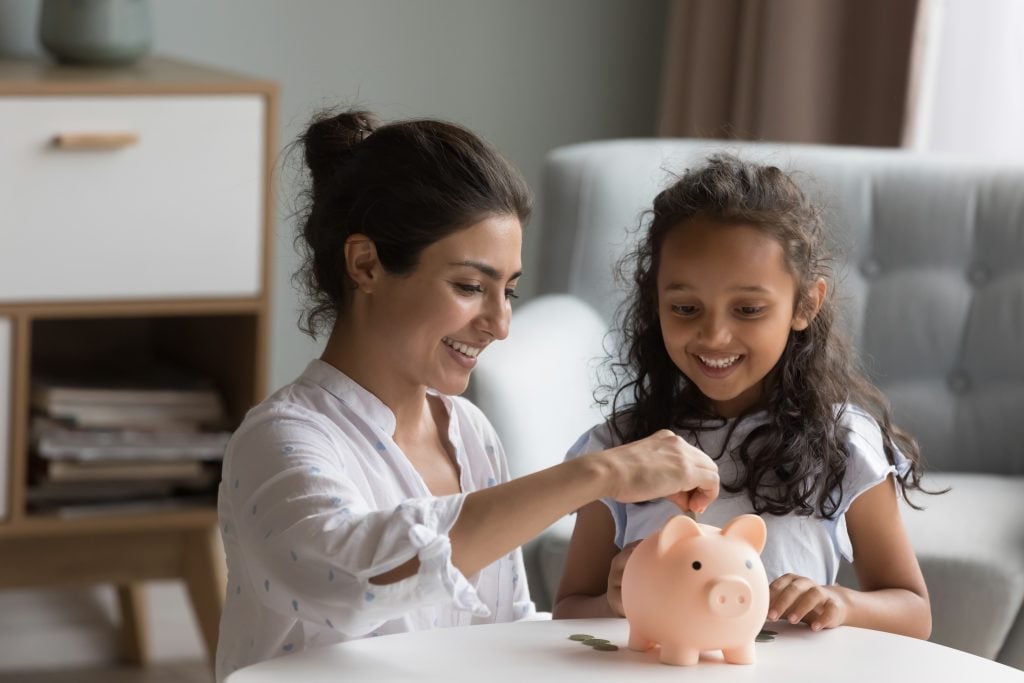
[{"x": 691, "y": 587}]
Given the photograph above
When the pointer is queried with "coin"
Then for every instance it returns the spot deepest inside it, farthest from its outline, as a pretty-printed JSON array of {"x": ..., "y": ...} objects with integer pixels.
[
  {"x": 596, "y": 641},
  {"x": 606, "y": 647},
  {"x": 580, "y": 636}
]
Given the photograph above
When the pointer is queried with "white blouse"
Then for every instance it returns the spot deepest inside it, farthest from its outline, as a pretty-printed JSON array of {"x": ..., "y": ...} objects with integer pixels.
[{"x": 316, "y": 499}]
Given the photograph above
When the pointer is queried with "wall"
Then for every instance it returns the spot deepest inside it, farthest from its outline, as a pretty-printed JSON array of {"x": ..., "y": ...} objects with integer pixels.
[
  {"x": 529, "y": 75},
  {"x": 970, "y": 59}
]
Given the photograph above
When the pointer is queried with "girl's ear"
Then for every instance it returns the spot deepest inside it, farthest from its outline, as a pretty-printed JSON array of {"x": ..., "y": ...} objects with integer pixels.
[
  {"x": 361, "y": 262},
  {"x": 815, "y": 298}
]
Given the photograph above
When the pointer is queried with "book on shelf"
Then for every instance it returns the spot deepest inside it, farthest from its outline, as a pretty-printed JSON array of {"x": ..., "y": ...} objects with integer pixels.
[
  {"x": 137, "y": 416},
  {"x": 62, "y": 483},
  {"x": 47, "y": 492},
  {"x": 141, "y": 396},
  {"x": 124, "y": 507},
  {"x": 54, "y": 440},
  {"x": 50, "y": 492},
  {"x": 186, "y": 471}
]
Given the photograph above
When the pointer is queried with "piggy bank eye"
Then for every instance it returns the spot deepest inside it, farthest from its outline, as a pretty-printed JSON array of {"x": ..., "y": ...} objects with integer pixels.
[
  {"x": 750, "y": 565},
  {"x": 696, "y": 565}
]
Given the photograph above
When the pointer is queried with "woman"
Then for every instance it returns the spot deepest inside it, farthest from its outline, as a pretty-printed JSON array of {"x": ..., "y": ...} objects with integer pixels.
[{"x": 366, "y": 497}]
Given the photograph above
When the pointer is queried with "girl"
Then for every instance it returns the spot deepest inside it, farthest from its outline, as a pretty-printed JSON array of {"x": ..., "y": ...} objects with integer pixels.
[
  {"x": 729, "y": 340},
  {"x": 366, "y": 498}
]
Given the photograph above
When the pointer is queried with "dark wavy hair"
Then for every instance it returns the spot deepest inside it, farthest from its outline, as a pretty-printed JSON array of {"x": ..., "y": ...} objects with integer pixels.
[
  {"x": 796, "y": 459},
  {"x": 405, "y": 185}
]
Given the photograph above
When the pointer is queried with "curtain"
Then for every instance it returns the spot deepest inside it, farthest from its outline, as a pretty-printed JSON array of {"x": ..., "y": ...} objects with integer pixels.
[{"x": 824, "y": 71}]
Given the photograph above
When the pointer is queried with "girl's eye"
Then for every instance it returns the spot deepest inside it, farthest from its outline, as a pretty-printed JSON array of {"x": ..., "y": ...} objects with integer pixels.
[
  {"x": 469, "y": 289},
  {"x": 684, "y": 310},
  {"x": 511, "y": 294},
  {"x": 750, "y": 310}
]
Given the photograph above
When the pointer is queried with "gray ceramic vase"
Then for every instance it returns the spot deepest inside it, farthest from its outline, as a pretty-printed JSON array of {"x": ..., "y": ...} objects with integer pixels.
[{"x": 108, "y": 32}]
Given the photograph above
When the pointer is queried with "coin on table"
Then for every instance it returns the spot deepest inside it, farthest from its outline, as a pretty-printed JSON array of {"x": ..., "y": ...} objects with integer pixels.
[
  {"x": 580, "y": 636},
  {"x": 606, "y": 647}
]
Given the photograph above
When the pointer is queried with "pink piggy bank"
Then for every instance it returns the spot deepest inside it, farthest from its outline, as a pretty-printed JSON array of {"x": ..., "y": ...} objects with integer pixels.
[{"x": 691, "y": 587}]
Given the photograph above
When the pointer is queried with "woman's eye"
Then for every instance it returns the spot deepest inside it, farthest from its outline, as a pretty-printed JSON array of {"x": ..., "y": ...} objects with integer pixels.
[
  {"x": 469, "y": 289},
  {"x": 750, "y": 310},
  {"x": 511, "y": 294}
]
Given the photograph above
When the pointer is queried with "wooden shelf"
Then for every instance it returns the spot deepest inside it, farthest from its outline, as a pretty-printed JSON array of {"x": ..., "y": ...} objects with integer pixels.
[
  {"x": 151, "y": 76},
  {"x": 129, "y": 308},
  {"x": 192, "y": 316},
  {"x": 100, "y": 524}
]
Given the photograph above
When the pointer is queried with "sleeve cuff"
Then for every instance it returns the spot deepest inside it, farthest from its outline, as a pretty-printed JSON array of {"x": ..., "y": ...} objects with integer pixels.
[{"x": 435, "y": 555}]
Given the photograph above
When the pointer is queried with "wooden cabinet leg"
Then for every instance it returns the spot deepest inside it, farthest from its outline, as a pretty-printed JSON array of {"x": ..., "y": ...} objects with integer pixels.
[
  {"x": 134, "y": 642},
  {"x": 205, "y": 576}
]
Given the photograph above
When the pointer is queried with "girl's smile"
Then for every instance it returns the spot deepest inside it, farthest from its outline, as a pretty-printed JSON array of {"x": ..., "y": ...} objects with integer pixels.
[{"x": 718, "y": 367}]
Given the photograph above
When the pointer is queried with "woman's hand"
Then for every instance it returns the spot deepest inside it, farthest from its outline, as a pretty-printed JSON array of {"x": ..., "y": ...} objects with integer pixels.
[
  {"x": 797, "y": 598},
  {"x": 614, "y": 593},
  {"x": 663, "y": 466}
]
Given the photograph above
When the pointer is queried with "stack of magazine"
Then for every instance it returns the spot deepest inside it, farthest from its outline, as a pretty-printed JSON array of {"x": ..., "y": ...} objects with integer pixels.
[{"x": 148, "y": 438}]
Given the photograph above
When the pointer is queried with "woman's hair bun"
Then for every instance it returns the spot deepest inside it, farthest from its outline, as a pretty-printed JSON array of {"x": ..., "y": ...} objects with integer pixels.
[{"x": 332, "y": 137}]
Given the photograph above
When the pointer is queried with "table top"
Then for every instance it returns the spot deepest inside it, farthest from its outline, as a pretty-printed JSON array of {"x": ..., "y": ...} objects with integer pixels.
[{"x": 533, "y": 651}]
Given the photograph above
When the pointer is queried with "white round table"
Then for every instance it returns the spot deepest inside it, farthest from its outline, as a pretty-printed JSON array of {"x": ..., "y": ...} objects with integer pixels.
[{"x": 534, "y": 651}]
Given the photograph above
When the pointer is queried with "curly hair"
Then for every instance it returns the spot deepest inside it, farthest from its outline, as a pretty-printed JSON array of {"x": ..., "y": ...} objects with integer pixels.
[{"x": 796, "y": 459}]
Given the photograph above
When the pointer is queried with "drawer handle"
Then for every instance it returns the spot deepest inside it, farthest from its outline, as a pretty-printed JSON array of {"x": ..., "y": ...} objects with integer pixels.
[{"x": 95, "y": 141}]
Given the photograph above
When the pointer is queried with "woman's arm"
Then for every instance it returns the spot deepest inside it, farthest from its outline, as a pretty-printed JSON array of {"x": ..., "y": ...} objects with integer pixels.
[
  {"x": 892, "y": 596},
  {"x": 495, "y": 520},
  {"x": 583, "y": 591}
]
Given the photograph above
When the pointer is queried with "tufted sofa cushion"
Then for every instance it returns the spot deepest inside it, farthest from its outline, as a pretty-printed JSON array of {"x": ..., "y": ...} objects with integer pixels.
[{"x": 931, "y": 278}]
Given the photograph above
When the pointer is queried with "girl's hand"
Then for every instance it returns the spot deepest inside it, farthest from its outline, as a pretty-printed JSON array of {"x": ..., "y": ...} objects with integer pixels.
[
  {"x": 663, "y": 465},
  {"x": 797, "y": 598},
  {"x": 618, "y": 564}
]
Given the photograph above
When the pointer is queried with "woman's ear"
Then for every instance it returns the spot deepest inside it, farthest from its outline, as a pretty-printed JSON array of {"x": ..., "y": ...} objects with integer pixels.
[
  {"x": 361, "y": 262},
  {"x": 815, "y": 298}
]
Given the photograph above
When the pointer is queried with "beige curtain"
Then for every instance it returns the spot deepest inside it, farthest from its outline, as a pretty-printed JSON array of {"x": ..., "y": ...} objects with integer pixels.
[{"x": 827, "y": 71}]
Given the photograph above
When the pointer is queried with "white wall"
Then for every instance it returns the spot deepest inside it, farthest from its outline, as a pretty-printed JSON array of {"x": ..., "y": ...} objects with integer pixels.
[
  {"x": 970, "y": 101},
  {"x": 529, "y": 75}
]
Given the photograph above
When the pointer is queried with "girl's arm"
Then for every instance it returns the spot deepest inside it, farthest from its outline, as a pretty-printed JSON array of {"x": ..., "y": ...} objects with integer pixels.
[
  {"x": 892, "y": 596},
  {"x": 583, "y": 591}
]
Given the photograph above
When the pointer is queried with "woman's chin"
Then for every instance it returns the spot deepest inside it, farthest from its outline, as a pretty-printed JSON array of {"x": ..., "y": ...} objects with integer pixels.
[{"x": 452, "y": 386}]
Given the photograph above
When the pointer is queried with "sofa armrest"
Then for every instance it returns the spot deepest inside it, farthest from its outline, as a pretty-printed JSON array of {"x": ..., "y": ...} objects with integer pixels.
[{"x": 536, "y": 387}]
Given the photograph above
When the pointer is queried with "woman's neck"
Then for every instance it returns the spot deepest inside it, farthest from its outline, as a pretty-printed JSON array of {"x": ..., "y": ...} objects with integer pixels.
[{"x": 362, "y": 362}]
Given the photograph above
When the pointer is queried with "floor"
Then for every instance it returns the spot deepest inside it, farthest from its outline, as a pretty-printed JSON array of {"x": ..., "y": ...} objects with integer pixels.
[{"x": 183, "y": 672}]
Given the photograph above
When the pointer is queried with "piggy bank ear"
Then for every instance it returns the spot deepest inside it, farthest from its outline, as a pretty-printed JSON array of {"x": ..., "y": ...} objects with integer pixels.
[
  {"x": 676, "y": 529},
  {"x": 748, "y": 528}
]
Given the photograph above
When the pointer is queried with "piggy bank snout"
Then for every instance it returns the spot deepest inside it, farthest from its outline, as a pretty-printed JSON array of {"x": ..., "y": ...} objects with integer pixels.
[{"x": 729, "y": 596}]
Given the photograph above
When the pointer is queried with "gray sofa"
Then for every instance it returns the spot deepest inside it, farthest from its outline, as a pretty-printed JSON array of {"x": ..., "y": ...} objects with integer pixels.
[{"x": 933, "y": 277}]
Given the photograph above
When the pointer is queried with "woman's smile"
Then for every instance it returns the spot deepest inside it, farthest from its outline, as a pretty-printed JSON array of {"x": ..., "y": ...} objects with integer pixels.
[{"x": 464, "y": 354}]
